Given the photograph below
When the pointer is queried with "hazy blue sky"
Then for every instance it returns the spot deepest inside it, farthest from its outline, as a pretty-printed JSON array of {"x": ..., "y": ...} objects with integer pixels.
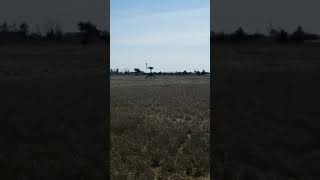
[
  {"x": 171, "y": 35},
  {"x": 256, "y": 15},
  {"x": 66, "y": 13},
  {"x": 226, "y": 14}
]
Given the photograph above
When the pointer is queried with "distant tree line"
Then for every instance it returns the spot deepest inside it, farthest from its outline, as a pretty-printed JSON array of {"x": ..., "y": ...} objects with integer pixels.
[
  {"x": 276, "y": 35},
  {"x": 137, "y": 72},
  {"x": 87, "y": 32}
]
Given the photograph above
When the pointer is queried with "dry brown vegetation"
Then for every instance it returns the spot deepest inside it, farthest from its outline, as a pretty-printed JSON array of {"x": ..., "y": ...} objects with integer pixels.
[
  {"x": 266, "y": 115},
  {"x": 160, "y": 127},
  {"x": 52, "y": 111}
]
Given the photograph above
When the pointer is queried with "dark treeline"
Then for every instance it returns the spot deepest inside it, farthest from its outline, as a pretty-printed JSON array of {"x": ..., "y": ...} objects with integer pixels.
[
  {"x": 87, "y": 33},
  {"x": 137, "y": 72},
  {"x": 274, "y": 35}
]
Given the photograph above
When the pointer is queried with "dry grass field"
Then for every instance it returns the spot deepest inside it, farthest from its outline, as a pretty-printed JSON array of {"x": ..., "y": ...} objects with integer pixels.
[
  {"x": 265, "y": 124},
  {"x": 266, "y": 111},
  {"x": 52, "y": 111},
  {"x": 160, "y": 127}
]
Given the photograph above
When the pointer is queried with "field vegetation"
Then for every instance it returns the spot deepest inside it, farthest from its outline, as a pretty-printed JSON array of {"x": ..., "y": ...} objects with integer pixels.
[
  {"x": 160, "y": 127},
  {"x": 52, "y": 111},
  {"x": 266, "y": 111}
]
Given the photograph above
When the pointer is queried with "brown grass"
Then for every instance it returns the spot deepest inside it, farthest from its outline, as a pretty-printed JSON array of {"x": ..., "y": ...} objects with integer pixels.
[
  {"x": 52, "y": 114},
  {"x": 159, "y": 127},
  {"x": 266, "y": 99}
]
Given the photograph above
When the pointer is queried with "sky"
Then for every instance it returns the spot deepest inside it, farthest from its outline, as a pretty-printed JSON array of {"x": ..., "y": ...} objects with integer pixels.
[
  {"x": 168, "y": 35},
  {"x": 65, "y": 13},
  {"x": 226, "y": 15},
  {"x": 257, "y": 15}
]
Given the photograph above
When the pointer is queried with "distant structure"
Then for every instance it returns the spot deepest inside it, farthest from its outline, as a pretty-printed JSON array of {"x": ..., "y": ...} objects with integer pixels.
[{"x": 150, "y": 74}]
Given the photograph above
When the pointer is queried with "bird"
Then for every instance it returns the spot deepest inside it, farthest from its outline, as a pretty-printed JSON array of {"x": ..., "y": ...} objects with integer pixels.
[{"x": 150, "y": 68}]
